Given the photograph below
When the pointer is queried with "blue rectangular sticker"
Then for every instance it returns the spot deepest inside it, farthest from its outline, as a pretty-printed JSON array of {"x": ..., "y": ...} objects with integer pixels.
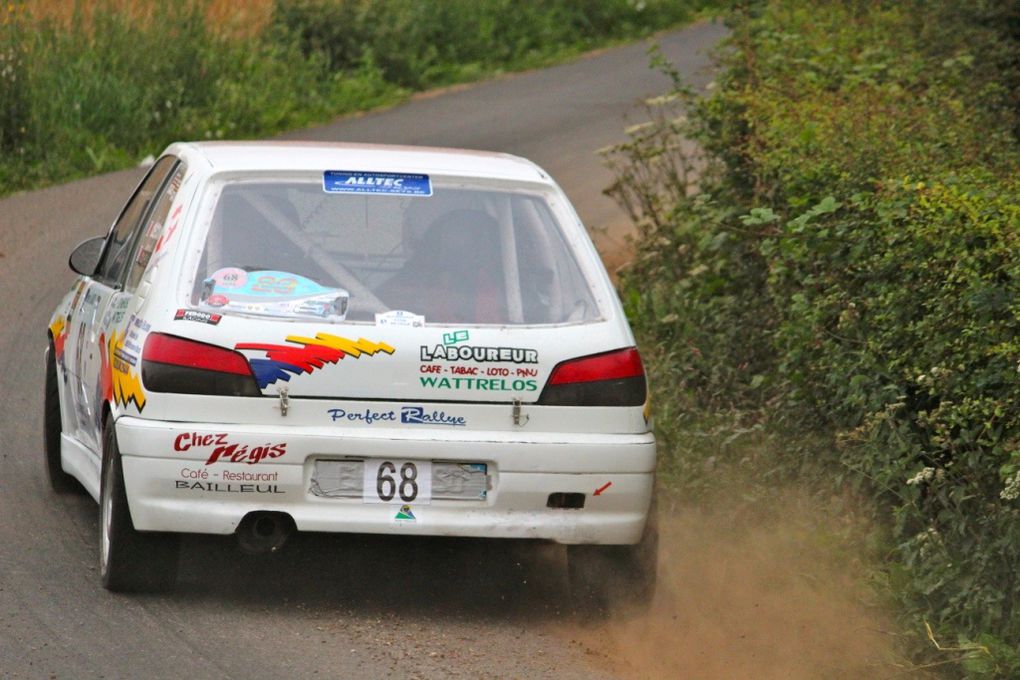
[{"x": 391, "y": 183}]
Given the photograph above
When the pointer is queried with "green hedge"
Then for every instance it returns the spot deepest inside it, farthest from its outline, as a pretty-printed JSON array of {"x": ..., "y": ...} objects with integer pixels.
[{"x": 849, "y": 263}]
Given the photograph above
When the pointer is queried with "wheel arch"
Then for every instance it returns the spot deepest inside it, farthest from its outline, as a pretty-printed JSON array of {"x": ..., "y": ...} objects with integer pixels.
[{"x": 106, "y": 414}]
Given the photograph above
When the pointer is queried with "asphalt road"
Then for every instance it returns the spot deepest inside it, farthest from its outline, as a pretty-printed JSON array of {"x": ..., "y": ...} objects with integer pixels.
[{"x": 327, "y": 606}]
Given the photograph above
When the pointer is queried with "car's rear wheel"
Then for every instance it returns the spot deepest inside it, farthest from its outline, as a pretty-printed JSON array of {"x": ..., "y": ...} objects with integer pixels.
[
  {"x": 129, "y": 560},
  {"x": 60, "y": 481},
  {"x": 604, "y": 577}
]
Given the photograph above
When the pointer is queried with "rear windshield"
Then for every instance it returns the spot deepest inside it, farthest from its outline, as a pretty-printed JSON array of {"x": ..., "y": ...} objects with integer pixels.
[{"x": 458, "y": 256}]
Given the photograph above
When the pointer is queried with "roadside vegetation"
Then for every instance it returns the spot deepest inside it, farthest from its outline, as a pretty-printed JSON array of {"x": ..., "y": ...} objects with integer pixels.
[
  {"x": 827, "y": 287},
  {"x": 92, "y": 86}
]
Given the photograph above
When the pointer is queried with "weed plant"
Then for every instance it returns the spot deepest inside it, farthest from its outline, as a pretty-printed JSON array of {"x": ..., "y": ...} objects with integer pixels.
[
  {"x": 845, "y": 271},
  {"x": 14, "y": 115}
]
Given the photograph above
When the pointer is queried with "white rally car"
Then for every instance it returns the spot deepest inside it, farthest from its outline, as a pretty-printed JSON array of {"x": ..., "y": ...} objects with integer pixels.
[{"x": 349, "y": 338}]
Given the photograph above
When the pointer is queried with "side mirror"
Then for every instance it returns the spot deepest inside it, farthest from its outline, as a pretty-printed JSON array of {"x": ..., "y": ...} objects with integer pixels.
[{"x": 85, "y": 257}]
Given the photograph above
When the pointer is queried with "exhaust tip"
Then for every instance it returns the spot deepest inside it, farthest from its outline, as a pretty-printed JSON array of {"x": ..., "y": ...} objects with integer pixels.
[
  {"x": 264, "y": 532},
  {"x": 565, "y": 501}
]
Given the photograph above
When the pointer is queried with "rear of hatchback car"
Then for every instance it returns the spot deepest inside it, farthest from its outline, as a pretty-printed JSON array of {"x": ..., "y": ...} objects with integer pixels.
[{"x": 391, "y": 341}]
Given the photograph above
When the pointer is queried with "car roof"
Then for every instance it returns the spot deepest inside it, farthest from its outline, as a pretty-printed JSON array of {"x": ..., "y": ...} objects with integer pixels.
[{"x": 321, "y": 156}]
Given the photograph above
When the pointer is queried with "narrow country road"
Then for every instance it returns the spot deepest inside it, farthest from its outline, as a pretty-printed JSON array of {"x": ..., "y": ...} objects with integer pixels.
[{"x": 339, "y": 607}]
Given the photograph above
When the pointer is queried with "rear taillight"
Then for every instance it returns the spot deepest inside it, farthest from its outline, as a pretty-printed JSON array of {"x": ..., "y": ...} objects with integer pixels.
[
  {"x": 173, "y": 364},
  {"x": 610, "y": 379}
]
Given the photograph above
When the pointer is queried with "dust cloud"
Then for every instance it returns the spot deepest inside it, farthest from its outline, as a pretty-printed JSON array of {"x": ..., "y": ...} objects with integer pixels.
[{"x": 769, "y": 589}]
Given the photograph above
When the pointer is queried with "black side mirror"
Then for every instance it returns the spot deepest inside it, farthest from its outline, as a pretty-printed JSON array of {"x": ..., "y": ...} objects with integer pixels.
[{"x": 85, "y": 257}]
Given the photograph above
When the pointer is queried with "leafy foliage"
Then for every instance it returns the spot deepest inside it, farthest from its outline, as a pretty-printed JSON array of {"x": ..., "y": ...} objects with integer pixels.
[{"x": 848, "y": 262}]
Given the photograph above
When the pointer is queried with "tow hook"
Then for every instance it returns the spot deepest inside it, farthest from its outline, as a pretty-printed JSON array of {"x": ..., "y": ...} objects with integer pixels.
[
  {"x": 284, "y": 401},
  {"x": 519, "y": 418}
]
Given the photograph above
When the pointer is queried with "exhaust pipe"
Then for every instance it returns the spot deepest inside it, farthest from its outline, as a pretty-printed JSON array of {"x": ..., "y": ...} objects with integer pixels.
[{"x": 262, "y": 532}]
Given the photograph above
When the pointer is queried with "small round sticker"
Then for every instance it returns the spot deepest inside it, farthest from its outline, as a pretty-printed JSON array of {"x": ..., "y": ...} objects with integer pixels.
[
  {"x": 217, "y": 300},
  {"x": 230, "y": 277}
]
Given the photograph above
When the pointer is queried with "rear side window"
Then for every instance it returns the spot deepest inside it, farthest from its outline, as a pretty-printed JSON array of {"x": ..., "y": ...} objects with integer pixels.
[
  {"x": 459, "y": 256},
  {"x": 117, "y": 254},
  {"x": 154, "y": 227}
]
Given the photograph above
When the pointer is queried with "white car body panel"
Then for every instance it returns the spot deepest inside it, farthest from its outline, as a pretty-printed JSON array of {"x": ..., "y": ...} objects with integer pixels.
[
  {"x": 81, "y": 462},
  {"x": 605, "y": 453},
  {"x": 525, "y": 469}
]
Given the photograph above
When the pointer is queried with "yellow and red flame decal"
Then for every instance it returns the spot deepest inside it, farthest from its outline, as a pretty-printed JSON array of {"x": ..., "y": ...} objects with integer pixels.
[
  {"x": 122, "y": 384},
  {"x": 306, "y": 355}
]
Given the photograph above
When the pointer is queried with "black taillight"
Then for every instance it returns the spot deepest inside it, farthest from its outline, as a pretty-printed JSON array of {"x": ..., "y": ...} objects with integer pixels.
[
  {"x": 614, "y": 378},
  {"x": 173, "y": 364}
]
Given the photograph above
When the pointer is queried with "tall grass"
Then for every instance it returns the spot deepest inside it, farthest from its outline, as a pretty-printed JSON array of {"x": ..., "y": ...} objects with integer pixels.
[
  {"x": 225, "y": 17},
  {"x": 98, "y": 84},
  {"x": 13, "y": 91},
  {"x": 108, "y": 87}
]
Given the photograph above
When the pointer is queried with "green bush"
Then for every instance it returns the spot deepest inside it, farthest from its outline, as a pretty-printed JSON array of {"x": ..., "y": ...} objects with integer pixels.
[
  {"x": 848, "y": 262},
  {"x": 417, "y": 44},
  {"x": 921, "y": 341}
]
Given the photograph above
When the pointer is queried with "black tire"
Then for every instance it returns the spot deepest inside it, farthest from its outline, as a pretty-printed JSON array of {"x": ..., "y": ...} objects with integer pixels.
[
  {"x": 129, "y": 560},
  {"x": 610, "y": 577},
  {"x": 60, "y": 481}
]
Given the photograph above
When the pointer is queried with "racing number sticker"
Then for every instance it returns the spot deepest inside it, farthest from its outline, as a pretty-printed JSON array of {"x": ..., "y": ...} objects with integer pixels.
[
  {"x": 271, "y": 284},
  {"x": 397, "y": 481}
]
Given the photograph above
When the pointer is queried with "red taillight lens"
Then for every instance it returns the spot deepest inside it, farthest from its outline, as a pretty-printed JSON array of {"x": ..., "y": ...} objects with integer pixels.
[
  {"x": 173, "y": 364},
  {"x": 169, "y": 349},
  {"x": 614, "y": 378},
  {"x": 624, "y": 363}
]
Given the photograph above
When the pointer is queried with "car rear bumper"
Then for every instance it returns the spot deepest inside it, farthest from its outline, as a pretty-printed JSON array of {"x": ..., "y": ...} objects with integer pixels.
[{"x": 176, "y": 480}]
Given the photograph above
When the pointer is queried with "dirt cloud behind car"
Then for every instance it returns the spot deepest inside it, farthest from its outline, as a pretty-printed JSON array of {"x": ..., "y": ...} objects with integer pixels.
[{"x": 765, "y": 588}]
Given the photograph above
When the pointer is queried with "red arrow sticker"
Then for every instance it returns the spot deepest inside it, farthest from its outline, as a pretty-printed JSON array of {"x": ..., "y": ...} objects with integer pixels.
[{"x": 598, "y": 491}]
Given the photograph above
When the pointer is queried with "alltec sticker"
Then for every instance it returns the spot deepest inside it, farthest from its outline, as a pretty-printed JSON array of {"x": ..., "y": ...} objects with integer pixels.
[{"x": 388, "y": 183}]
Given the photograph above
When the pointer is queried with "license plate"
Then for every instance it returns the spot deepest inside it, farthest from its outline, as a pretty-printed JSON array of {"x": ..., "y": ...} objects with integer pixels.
[
  {"x": 373, "y": 481},
  {"x": 388, "y": 480}
]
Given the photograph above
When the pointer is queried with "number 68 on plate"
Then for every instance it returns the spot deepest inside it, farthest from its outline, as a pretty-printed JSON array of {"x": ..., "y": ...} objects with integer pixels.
[{"x": 397, "y": 481}]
